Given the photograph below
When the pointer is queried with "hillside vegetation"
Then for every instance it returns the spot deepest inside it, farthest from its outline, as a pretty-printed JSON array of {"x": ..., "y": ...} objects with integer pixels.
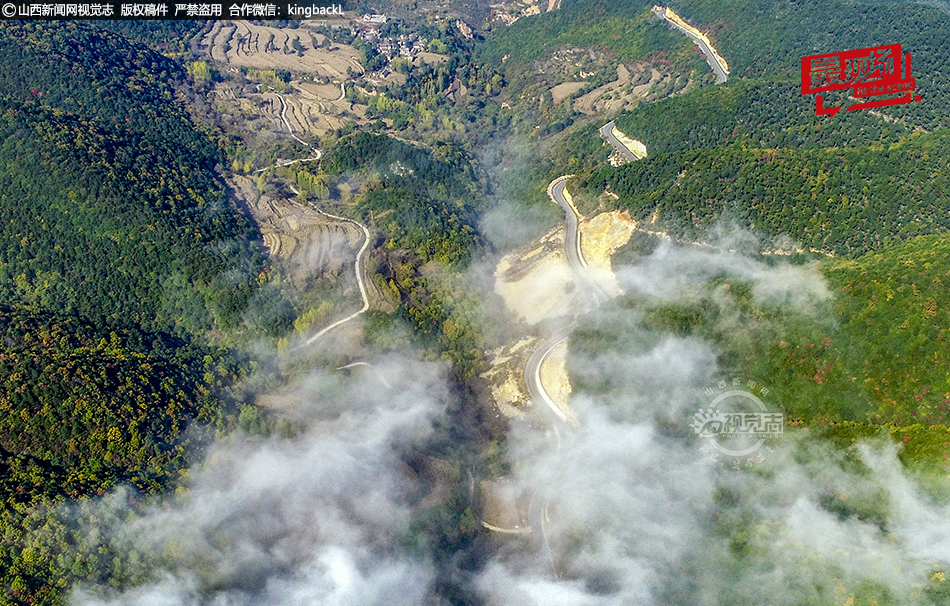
[
  {"x": 867, "y": 187},
  {"x": 766, "y": 113},
  {"x": 119, "y": 255},
  {"x": 118, "y": 212},
  {"x": 767, "y": 39},
  {"x": 870, "y": 361},
  {"x": 842, "y": 201}
]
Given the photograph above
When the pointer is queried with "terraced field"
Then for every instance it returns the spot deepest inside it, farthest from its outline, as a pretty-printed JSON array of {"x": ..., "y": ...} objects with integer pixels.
[
  {"x": 242, "y": 43},
  {"x": 313, "y": 245},
  {"x": 307, "y": 112}
]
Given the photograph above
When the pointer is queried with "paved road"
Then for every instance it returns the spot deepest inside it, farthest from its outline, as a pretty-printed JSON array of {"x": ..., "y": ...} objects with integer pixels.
[
  {"x": 532, "y": 372},
  {"x": 607, "y": 132},
  {"x": 710, "y": 56},
  {"x": 575, "y": 257},
  {"x": 280, "y": 163},
  {"x": 572, "y": 243},
  {"x": 538, "y": 507}
]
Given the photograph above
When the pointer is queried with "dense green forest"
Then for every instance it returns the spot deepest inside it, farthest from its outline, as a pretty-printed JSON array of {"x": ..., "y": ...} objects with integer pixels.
[
  {"x": 120, "y": 254},
  {"x": 85, "y": 408},
  {"x": 119, "y": 214},
  {"x": 753, "y": 154},
  {"x": 866, "y": 187},
  {"x": 869, "y": 360},
  {"x": 767, "y": 39},
  {"x": 422, "y": 200},
  {"x": 841, "y": 201},
  {"x": 760, "y": 112}
]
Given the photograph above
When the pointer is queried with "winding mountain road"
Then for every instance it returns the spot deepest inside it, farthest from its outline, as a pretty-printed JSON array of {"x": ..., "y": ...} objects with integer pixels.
[
  {"x": 572, "y": 241},
  {"x": 607, "y": 132},
  {"x": 709, "y": 52},
  {"x": 575, "y": 257},
  {"x": 532, "y": 372},
  {"x": 538, "y": 506},
  {"x": 359, "y": 277}
]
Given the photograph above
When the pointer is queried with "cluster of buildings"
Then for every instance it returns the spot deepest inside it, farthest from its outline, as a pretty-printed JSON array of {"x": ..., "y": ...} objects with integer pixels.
[{"x": 403, "y": 45}]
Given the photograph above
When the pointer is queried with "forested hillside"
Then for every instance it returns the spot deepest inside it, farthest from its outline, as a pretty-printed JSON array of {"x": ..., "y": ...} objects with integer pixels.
[
  {"x": 762, "y": 112},
  {"x": 85, "y": 408},
  {"x": 867, "y": 187},
  {"x": 768, "y": 39},
  {"x": 752, "y": 153},
  {"x": 424, "y": 201},
  {"x": 841, "y": 201},
  {"x": 119, "y": 255},
  {"x": 118, "y": 212},
  {"x": 870, "y": 360}
]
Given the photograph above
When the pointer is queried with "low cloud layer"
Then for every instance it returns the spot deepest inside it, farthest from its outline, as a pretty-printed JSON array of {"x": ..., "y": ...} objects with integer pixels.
[
  {"x": 624, "y": 508},
  {"x": 317, "y": 519},
  {"x": 633, "y": 512},
  {"x": 673, "y": 270}
]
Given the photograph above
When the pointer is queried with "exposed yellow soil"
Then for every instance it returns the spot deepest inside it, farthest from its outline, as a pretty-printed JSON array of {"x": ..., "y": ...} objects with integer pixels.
[
  {"x": 634, "y": 146},
  {"x": 536, "y": 282},
  {"x": 506, "y": 375},
  {"x": 556, "y": 381},
  {"x": 566, "y": 89},
  {"x": 601, "y": 236}
]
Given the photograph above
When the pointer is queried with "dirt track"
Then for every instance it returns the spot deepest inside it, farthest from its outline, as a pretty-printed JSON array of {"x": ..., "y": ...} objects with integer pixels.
[{"x": 306, "y": 113}]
